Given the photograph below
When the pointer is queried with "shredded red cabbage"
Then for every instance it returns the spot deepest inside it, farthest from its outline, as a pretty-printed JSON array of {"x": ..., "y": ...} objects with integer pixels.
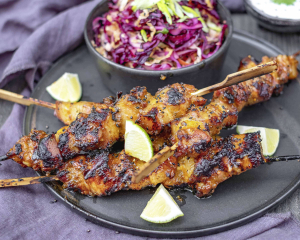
[{"x": 144, "y": 39}]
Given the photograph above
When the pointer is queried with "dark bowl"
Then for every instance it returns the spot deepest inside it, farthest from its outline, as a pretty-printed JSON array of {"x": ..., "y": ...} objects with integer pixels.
[
  {"x": 274, "y": 24},
  {"x": 120, "y": 78}
]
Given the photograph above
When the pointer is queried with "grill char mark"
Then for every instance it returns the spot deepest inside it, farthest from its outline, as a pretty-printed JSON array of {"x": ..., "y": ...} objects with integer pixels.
[
  {"x": 48, "y": 153},
  {"x": 102, "y": 174},
  {"x": 100, "y": 168}
]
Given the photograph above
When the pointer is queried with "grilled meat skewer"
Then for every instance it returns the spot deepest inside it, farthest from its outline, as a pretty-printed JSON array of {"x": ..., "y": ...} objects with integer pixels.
[
  {"x": 14, "y": 182},
  {"x": 40, "y": 151},
  {"x": 193, "y": 131},
  {"x": 138, "y": 103},
  {"x": 67, "y": 112},
  {"x": 101, "y": 173}
]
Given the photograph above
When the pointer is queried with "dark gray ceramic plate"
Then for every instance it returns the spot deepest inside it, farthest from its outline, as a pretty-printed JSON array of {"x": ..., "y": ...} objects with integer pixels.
[{"x": 235, "y": 202}]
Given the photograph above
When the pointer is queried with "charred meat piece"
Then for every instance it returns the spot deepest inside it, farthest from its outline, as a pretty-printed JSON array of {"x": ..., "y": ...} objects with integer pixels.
[
  {"x": 129, "y": 106},
  {"x": 226, "y": 157},
  {"x": 38, "y": 151},
  {"x": 42, "y": 153},
  {"x": 47, "y": 152},
  {"x": 88, "y": 132},
  {"x": 202, "y": 122},
  {"x": 68, "y": 112},
  {"x": 259, "y": 89},
  {"x": 169, "y": 103},
  {"x": 23, "y": 150}
]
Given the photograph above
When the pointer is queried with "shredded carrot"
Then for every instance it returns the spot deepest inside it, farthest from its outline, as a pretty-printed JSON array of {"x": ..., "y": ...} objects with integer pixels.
[
  {"x": 193, "y": 57},
  {"x": 182, "y": 62}
]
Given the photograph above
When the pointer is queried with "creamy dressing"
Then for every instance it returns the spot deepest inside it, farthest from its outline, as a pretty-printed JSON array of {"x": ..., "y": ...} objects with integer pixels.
[{"x": 284, "y": 11}]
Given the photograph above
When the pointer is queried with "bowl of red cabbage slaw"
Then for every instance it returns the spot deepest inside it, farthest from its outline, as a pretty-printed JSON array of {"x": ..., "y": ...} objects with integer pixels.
[{"x": 158, "y": 42}]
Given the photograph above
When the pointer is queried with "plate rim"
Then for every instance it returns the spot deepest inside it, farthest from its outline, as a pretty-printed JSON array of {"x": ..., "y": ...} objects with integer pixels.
[{"x": 264, "y": 208}]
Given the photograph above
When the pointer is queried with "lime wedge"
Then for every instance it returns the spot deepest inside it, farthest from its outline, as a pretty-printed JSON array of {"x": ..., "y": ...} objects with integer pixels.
[
  {"x": 240, "y": 129},
  {"x": 137, "y": 142},
  {"x": 161, "y": 208},
  {"x": 270, "y": 137},
  {"x": 67, "y": 88}
]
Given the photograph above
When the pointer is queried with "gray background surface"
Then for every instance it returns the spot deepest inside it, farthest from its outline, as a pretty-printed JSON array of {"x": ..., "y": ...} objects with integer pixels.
[{"x": 289, "y": 43}]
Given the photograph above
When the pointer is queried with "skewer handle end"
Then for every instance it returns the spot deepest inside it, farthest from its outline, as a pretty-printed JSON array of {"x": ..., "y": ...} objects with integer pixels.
[
  {"x": 282, "y": 158},
  {"x": 240, "y": 76},
  {"x": 3, "y": 158},
  {"x": 154, "y": 162},
  {"x": 17, "y": 98},
  {"x": 26, "y": 181}
]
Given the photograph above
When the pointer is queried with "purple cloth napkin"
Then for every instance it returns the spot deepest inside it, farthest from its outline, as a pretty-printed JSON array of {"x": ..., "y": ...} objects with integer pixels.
[{"x": 33, "y": 35}]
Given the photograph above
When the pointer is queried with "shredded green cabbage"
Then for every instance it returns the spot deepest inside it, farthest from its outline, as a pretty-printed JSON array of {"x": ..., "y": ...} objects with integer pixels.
[
  {"x": 164, "y": 31},
  {"x": 164, "y": 9},
  {"x": 144, "y": 35},
  {"x": 213, "y": 26},
  {"x": 190, "y": 12},
  {"x": 142, "y": 4},
  {"x": 170, "y": 8},
  {"x": 205, "y": 28}
]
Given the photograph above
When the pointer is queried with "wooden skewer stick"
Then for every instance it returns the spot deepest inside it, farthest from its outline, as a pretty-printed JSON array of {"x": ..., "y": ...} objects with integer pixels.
[
  {"x": 17, "y": 98},
  {"x": 154, "y": 162},
  {"x": 231, "y": 79},
  {"x": 240, "y": 76},
  {"x": 26, "y": 181},
  {"x": 296, "y": 54},
  {"x": 35, "y": 180},
  {"x": 168, "y": 151}
]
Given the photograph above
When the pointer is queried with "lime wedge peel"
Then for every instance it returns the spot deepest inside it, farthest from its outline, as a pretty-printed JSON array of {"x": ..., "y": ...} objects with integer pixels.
[
  {"x": 161, "y": 208},
  {"x": 270, "y": 137},
  {"x": 67, "y": 88},
  {"x": 137, "y": 142}
]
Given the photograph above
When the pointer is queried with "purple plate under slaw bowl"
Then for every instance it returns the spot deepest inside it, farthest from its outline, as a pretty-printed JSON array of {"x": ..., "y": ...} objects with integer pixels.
[{"x": 117, "y": 77}]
